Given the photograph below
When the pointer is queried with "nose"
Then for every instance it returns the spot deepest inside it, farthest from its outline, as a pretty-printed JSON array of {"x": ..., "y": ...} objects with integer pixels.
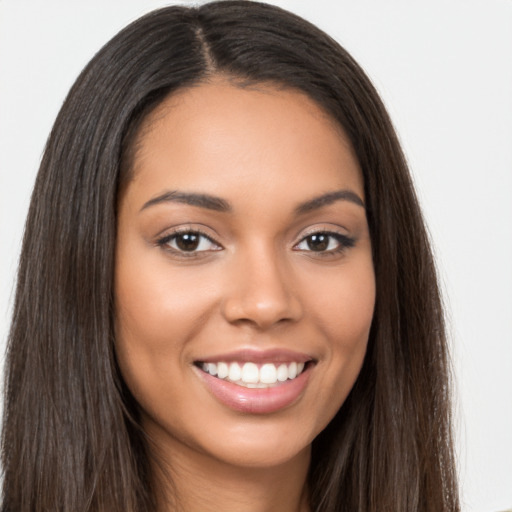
[{"x": 261, "y": 292}]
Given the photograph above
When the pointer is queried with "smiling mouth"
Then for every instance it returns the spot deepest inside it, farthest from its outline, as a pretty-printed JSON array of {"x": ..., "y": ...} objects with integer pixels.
[{"x": 254, "y": 375}]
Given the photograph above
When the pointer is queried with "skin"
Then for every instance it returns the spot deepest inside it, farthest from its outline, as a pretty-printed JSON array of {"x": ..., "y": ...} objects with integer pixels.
[{"x": 258, "y": 285}]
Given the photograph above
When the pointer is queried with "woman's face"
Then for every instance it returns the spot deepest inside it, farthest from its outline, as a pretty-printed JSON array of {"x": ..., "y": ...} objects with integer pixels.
[{"x": 244, "y": 279}]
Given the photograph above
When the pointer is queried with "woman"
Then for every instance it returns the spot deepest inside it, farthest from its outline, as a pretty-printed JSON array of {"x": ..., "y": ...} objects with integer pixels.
[{"x": 226, "y": 296}]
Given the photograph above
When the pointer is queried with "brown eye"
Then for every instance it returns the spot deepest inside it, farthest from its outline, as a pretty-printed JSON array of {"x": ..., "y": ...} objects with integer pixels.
[
  {"x": 190, "y": 242},
  {"x": 187, "y": 241},
  {"x": 318, "y": 242},
  {"x": 325, "y": 242}
]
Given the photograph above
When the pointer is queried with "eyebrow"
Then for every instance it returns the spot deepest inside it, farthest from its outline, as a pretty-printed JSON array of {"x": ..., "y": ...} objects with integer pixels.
[
  {"x": 202, "y": 200},
  {"x": 220, "y": 205},
  {"x": 327, "y": 199}
]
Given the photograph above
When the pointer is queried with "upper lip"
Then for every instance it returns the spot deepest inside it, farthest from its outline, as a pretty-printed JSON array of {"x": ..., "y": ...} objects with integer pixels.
[{"x": 276, "y": 355}]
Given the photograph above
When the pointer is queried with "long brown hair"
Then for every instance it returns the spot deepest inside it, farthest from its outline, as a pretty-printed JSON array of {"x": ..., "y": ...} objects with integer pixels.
[{"x": 71, "y": 437}]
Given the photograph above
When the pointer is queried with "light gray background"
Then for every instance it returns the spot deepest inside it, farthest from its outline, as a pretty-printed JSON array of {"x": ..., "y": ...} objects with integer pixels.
[{"x": 444, "y": 69}]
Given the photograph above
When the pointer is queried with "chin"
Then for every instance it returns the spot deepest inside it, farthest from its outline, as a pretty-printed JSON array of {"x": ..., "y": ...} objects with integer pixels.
[{"x": 245, "y": 442}]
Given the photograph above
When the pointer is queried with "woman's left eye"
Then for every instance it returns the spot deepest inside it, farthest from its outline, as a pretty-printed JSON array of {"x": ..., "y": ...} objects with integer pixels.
[
  {"x": 325, "y": 242},
  {"x": 188, "y": 242}
]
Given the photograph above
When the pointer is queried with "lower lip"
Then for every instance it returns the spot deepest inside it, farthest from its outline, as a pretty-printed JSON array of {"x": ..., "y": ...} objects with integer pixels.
[{"x": 256, "y": 400}]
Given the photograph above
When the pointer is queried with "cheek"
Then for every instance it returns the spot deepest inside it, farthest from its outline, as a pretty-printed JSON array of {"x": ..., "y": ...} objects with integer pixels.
[
  {"x": 157, "y": 313},
  {"x": 158, "y": 308},
  {"x": 344, "y": 306},
  {"x": 344, "y": 317}
]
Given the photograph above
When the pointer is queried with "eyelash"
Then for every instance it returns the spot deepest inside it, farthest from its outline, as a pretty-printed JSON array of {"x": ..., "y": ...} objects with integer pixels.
[
  {"x": 344, "y": 242},
  {"x": 164, "y": 242}
]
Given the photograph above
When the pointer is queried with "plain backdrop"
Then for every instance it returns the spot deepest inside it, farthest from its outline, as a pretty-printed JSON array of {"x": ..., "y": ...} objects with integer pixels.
[{"x": 444, "y": 69}]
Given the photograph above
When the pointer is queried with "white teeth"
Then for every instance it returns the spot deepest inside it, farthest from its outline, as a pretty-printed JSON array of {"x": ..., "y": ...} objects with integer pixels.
[
  {"x": 235, "y": 372},
  {"x": 282, "y": 373},
  {"x": 250, "y": 376},
  {"x": 222, "y": 370},
  {"x": 250, "y": 373},
  {"x": 212, "y": 368},
  {"x": 268, "y": 374}
]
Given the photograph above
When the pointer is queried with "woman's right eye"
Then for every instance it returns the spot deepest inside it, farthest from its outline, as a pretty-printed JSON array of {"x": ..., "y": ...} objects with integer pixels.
[{"x": 188, "y": 242}]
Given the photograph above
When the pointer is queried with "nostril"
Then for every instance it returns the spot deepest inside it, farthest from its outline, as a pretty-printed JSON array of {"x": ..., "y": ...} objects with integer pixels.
[{"x": 261, "y": 314}]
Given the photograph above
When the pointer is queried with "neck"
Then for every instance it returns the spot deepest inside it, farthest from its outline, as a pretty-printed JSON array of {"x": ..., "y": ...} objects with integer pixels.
[{"x": 190, "y": 481}]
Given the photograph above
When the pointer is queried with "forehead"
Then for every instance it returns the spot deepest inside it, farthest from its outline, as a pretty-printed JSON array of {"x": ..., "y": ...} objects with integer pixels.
[{"x": 218, "y": 134}]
